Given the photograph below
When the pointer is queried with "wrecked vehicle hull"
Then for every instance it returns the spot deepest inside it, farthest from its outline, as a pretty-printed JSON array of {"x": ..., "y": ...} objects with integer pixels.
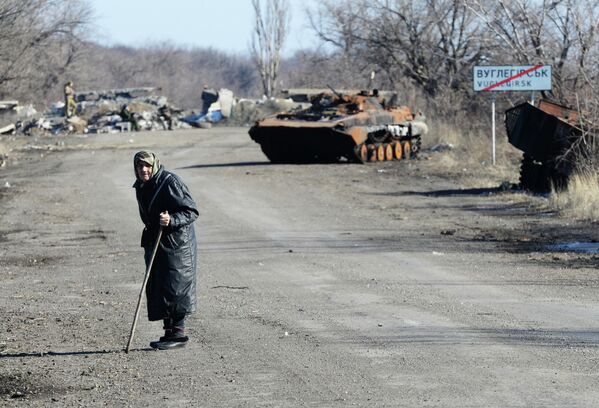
[
  {"x": 547, "y": 134},
  {"x": 340, "y": 127}
]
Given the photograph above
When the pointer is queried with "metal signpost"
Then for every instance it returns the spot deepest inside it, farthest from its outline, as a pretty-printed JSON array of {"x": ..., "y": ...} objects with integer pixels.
[{"x": 528, "y": 78}]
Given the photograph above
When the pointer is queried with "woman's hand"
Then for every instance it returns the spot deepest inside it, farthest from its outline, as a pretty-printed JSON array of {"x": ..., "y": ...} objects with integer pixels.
[{"x": 165, "y": 219}]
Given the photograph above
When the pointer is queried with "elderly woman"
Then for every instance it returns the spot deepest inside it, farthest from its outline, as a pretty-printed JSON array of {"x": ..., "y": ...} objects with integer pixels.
[{"x": 164, "y": 202}]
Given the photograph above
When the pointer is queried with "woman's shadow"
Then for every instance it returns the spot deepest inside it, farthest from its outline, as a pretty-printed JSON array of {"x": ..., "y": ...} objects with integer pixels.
[{"x": 68, "y": 353}]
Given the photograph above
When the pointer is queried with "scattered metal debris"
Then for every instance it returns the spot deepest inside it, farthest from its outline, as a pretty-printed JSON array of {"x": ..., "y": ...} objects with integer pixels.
[{"x": 134, "y": 109}]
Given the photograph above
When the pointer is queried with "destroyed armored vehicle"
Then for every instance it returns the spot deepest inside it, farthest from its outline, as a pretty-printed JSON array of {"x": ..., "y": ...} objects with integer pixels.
[
  {"x": 553, "y": 141},
  {"x": 357, "y": 128}
]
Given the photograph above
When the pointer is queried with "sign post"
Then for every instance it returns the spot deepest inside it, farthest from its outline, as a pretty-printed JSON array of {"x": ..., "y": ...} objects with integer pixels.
[
  {"x": 493, "y": 125},
  {"x": 510, "y": 78}
]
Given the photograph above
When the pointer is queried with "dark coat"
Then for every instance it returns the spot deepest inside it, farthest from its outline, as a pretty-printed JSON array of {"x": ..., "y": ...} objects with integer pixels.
[{"x": 171, "y": 289}]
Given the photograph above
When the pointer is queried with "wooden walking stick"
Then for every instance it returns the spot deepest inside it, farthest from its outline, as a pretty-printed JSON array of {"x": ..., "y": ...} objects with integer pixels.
[{"x": 143, "y": 288}]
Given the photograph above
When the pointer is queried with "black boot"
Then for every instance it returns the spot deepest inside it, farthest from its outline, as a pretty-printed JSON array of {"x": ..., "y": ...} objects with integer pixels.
[
  {"x": 168, "y": 331},
  {"x": 174, "y": 335}
]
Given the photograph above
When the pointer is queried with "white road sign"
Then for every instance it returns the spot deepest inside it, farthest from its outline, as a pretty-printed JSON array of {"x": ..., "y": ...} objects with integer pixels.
[{"x": 512, "y": 78}]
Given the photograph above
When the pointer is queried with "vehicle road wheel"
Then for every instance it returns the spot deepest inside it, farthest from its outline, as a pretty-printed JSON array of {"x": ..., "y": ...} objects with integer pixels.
[
  {"x": 363, "y": 153},
  {"x": 407, "y": 150},
  {"x": 372, "y": 153},
  {"x": 388, "y": 152},
  {"x": 397, "y": 150},
  {"x": 380, "y": 153}
]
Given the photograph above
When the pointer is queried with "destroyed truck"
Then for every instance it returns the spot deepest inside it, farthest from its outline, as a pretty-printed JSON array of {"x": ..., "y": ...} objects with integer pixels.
[
  {"x": 552, "y": 140},
  {"x": 356, "y": 128}
]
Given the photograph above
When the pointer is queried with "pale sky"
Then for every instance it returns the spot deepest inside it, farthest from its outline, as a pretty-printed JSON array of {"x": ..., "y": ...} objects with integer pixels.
[{"x": 225, "y": 25}]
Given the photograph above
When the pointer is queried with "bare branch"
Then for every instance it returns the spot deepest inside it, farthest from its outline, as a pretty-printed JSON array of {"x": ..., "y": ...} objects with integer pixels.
[{"x": 269, "y": 35}]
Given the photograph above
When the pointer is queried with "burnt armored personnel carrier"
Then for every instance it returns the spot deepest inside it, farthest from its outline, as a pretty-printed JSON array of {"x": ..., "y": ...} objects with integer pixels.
[
  {"x": 552, "y": 139},
  {"x": 356, "y": 128}
]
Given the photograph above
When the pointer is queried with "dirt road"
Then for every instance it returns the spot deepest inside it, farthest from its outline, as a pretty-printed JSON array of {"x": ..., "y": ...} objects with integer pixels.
[{"x": 320, "y": 285}]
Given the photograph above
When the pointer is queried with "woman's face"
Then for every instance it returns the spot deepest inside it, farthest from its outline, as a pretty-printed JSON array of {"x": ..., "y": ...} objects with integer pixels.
[{"x": 144, "y": 171}]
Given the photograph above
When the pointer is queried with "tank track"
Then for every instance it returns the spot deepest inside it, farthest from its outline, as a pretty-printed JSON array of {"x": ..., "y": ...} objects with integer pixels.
[{"x": 389, "y": 142}]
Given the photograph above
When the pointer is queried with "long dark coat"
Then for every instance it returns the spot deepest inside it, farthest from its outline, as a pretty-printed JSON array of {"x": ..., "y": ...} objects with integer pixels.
[{"x": 171, "y": 289}]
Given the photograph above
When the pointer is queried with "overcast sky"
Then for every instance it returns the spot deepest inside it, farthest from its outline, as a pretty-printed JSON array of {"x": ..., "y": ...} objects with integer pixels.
[{"x": 225, "y": 25}]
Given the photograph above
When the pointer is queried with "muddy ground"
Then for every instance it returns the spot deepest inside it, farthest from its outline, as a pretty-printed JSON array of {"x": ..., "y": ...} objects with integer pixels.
[{"x": 392, "y": 284}]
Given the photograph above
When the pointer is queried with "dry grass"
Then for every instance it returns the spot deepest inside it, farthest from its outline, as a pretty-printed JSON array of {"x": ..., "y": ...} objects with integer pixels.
[
  {"x": 471, "y": 156},
  {"x": 581, "y": 199}
]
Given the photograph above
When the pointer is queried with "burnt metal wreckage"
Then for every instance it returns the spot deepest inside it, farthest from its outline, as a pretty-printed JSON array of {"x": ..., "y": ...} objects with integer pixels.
[
  {"x": 358, "y": 128},
  {"x": 555, "y": 141}
]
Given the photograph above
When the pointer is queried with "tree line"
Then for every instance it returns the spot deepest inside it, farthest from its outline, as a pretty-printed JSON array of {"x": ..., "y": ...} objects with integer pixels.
[{"x": 425, "y": 49}]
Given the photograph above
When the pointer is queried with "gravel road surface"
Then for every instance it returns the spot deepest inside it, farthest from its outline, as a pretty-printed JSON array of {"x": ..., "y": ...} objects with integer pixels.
[{"x": 381, "y": 285}]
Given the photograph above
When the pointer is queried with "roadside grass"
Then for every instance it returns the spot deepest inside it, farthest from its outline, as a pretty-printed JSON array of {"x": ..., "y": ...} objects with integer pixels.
[
  {"x": 471, "y": 155},
  {"x": 580, "y": 200},
  {"x": 469, "y": 162}
]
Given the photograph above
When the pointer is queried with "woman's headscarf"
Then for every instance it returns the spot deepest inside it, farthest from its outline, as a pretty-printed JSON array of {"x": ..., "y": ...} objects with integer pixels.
[{"x": 148, "y": 158}]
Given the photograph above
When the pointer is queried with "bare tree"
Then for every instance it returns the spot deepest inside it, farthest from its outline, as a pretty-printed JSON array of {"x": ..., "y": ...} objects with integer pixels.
[
  {"x": 340, "y": 25},
  {"x": 268, "y": 39},
  {"x": 434, "y": 42},
  {"x": 39, "y": 41},
  {"x": 179, "y": 72},
  {"x": 560, "y": 33},
  {"x": 585, "y": 20}
]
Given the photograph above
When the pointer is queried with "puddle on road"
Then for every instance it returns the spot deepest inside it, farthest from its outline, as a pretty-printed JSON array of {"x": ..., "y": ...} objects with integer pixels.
[{"x": 581, "y": 247}]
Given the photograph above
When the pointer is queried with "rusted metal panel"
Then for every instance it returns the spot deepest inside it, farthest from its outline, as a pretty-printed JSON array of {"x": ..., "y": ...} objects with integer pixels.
[
  {"x": 546, "y": 135},
  {"x": 566, "y": 114}
]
